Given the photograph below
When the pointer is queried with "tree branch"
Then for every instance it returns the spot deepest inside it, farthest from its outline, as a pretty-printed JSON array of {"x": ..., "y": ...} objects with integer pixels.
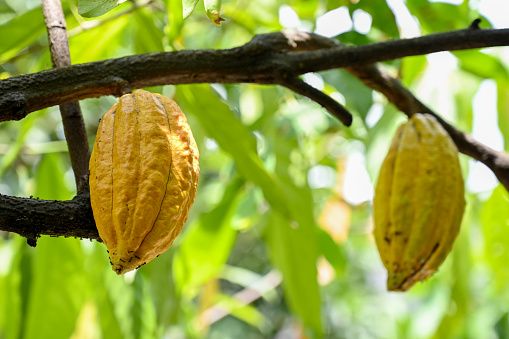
[
  {"x": 256, "y": 62},
  {"x": 32, "y": 217},
  {"x": 406, "y": 102},
  {"x": 402, "y": 98},
  {"x": 72, "y": 119},
  {"x": 275, "y": 58},
  {"x": 342, "y": 56},
  {"x": 334, "y": 107}
]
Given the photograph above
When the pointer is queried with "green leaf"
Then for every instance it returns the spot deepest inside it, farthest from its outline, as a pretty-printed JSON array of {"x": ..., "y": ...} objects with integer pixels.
[
  {"x": 109, "y": 323},
  {"x": 495, "y": 221},
  {"x": 147, "y": 36},
  {"x": 482, "y": 65},
  {"x": 354, "y": 38},
  {"x": 293, "y": 241},
  {"x": 383, "y": 18},
  {"x": 161, "y": 284},
  {"x": 463, "y": 99},
  {"x": 144, "y": 315},
  {"x": 102, "y": 39},
  {"x": 20, "y": 32},
  {"x": 242, "y": 311},
  {"x": 57, "y": 279},
  {"x": 213, "y": 10},
  {"x": 293, "y": 251},
  {"x": 94, "y": 8},
  {"x": 233, "y": 137},
  {"x": 357, "y": 95},
  {"x": 175, "y": 21},
  {"x": 412, "y": 68},
  {"x": 15, "y": 148},
  {"x": 50, "y": 178},
  {"x": 100, "y": 301},
  {"x": 503, "y": 108},
  {"x": 502, "y": 326},
  {"x": 26, "y": 268},
  {"x": 453, "y": 324},
  {"x": 188, "y": 7},
  {"x": 206, "y": 244},
  {"x": 440, "y": 17},
  {"x": 249, "y": 279},
  {"x": 13, "y": 287},
  {"x": 333, "y": 252},
  {"x": 121, "y": 292}
]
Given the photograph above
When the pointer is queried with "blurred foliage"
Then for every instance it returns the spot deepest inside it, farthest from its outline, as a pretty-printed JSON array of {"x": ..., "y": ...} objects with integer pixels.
[{"x": 278, "y": 243}]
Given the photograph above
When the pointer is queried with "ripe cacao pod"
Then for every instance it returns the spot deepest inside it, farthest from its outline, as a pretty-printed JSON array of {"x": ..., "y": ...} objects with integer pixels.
[
  {"x": 143, "y": 178},
  {"x": 419, "y": 202}
]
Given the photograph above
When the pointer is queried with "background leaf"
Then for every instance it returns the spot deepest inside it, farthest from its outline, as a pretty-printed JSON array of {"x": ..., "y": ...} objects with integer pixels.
[
  {"x": 20, "y": 32},
  {"x": 94, "y": 8},
  {"x": 49, "y": 284},
  {"x": 292, "y": 250},
  {"x": 206, "y": 245},
  {"x": 233, "y": 137},
  {"x": 188, "y": 7}
]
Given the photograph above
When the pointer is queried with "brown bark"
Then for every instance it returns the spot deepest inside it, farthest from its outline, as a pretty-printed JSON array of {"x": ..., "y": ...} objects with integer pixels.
[{"x": 259, "y": 61}]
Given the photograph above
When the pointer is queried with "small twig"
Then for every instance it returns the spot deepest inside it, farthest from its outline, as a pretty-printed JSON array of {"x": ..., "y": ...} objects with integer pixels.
[
  {"x": 334, "y": 107},
  {"x": 72, "y": 119},
  {"x": 475, "y": 24},
  {"x": 123, "y": 86},
  {"x": 251, "y": 293}
]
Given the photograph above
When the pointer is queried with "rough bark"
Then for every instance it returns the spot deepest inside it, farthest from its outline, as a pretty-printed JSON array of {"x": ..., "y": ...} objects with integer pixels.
[
  {"x": 258, "y": 61},
  {"x": 32, "y": 217}
]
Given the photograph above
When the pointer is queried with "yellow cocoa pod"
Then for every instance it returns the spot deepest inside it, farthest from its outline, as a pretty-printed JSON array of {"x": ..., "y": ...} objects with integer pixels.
[
  {"x": 143, "y": 178},
  {"x": 419, "y": 202}
]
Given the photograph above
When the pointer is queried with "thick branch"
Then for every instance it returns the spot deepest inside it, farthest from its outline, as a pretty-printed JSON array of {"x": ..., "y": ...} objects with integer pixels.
[
  {"x": 342, "y": 56},
  {"x": 32, "y": 217},
  {"x": 255, "y": 62},
  {"x": 72, "y": 119}
]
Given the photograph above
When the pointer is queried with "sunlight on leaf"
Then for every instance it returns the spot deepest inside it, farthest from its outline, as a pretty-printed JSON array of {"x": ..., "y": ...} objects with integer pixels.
[
  {"x": 220, "y": 124},
  {"x": 188, "y": 7},
  {"x": 94, "y": 8},
  {"x": 206, "y": 245},
  {"x": 87, "y": 323},
  {"x": 213, "y": 10},
  {"x": 20, "y": 32},
  {"x": 50, "y": 284},
  {"x": 15, "y": 148},
  {"x": 292, "y": 252}
]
